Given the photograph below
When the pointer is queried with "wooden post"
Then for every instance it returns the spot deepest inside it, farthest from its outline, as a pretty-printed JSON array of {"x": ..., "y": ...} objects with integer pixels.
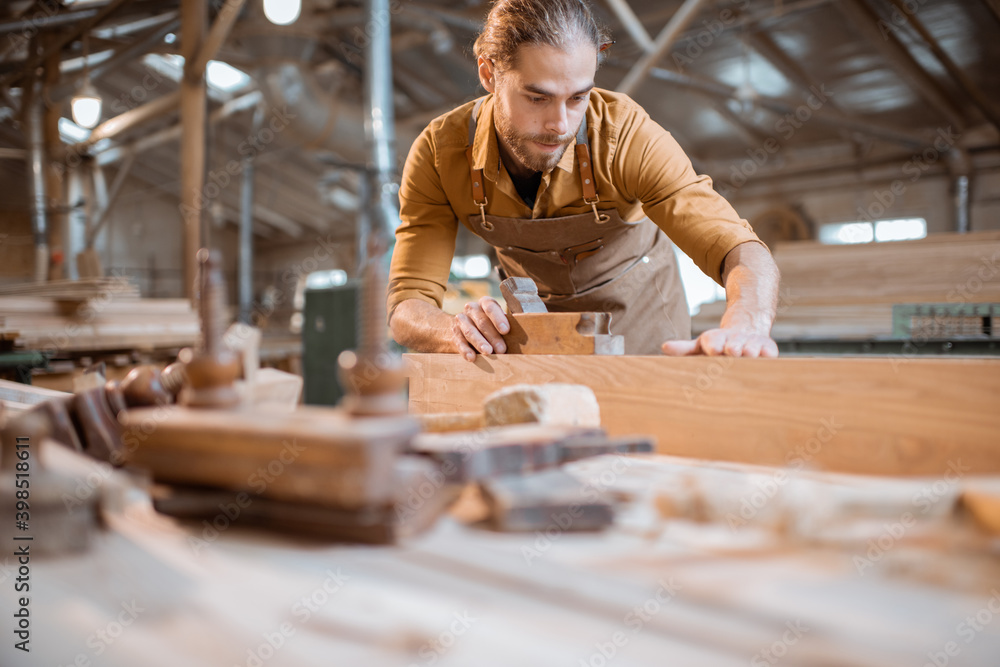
[
  {"x": 194, "y": 25},
  {"x": 54, "y": 170}
]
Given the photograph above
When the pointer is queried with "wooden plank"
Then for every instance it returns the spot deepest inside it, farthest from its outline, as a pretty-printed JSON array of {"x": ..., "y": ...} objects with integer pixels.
[
  {"x": 892, "y": 416},
  {"x": 939, "y": 268},
  {"x": 73, "y": 289},
  {"x": 114, "y": 322},
  {"x": 801, "y": 321},
  {"x": 847, "y": 291}
]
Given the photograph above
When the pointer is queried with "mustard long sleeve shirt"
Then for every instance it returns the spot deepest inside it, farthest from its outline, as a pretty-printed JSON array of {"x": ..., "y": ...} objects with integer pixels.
[{"x": 638, "y": 166}]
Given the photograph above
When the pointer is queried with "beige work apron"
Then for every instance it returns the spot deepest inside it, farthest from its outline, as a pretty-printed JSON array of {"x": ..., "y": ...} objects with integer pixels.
[{"x": 593, "y": 261}]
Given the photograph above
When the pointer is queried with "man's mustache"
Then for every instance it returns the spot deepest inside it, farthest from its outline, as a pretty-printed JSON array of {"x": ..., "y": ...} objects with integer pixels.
[{"x": 552, "y": 139}]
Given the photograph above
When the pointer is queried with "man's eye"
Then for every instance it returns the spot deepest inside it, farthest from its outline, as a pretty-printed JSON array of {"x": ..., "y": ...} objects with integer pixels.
[
  {"x": 536, "y": 100},
  {"x": 579, "y": 98}
]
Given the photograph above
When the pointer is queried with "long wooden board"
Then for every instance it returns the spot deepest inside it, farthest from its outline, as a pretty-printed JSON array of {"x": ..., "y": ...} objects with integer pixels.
[
  {"x": 892, "y": 416},
  {"x": 114, "y": 322},
  {"x": 940, "y": 268},
  {"x": 847, "y": 291}
]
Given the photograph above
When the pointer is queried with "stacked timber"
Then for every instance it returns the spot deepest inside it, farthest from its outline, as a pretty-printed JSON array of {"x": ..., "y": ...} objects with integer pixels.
[
  {"x": 67, "y": 317},
  {"x": 848, "y": 291}
]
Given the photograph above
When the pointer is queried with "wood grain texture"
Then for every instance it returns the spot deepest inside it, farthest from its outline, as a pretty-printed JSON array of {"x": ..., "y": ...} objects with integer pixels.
[{"x": 892, "y": 416}]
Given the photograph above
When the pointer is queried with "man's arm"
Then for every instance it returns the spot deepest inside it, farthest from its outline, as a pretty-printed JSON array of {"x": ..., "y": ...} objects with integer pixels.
[
  {"x": 423, "y": 327},
  {"x": 750, "y": 277}
]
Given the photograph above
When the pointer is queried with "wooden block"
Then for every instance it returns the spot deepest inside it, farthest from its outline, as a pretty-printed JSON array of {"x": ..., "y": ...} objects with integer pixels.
[
  {"x": 553, "y": 403},
  {"x": 889, "y": 416},
  {"x": 316, "y": 455},
  {"x": 562, "y": 333},
  {"x": 272, "y": 389},
  {"x": 550, "y": 499},
  {"x": 501, "y": 450},
  {"x": 245, "y": 341}
]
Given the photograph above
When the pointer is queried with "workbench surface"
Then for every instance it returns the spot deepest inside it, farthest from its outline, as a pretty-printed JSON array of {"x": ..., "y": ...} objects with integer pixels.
[{"x": 707, "y": 564}]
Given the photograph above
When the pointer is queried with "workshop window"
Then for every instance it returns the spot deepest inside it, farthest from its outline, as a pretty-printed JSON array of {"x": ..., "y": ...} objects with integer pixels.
[
  {"x": 471, "y": 267},
  {"x": 902, "y": 229}
]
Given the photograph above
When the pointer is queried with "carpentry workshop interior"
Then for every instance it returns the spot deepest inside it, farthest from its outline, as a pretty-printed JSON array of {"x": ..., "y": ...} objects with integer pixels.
[{"x": 303, "y": 363}]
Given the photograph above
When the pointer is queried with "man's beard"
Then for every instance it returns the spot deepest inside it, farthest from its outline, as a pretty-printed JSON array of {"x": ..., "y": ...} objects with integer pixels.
[{"x": 519, "y": 142}]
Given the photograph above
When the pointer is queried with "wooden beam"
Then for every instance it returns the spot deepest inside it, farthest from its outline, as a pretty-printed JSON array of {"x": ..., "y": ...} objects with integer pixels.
[
  {"x": 219, "y": 32},
  {"x": 194, "y": 20},
  {"x": 891, "y": 416}
]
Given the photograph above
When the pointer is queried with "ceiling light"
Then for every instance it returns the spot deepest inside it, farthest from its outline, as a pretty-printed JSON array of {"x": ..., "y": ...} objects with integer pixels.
[
  {"x": 87, "y": 106},
  {"x": 282, "y": 12},
  {"x": 87, "y": 102}
]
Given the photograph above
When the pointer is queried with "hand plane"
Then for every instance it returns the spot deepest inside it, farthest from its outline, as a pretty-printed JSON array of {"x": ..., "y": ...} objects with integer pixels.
[{"x": 534, "y": 330}]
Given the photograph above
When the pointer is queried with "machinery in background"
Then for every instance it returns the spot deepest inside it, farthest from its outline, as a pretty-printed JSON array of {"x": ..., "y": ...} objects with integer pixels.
[{"x": 329, "y": 328}]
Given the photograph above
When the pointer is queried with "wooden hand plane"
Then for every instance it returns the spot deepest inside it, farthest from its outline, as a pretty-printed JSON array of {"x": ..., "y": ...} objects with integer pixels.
[{"x": 534, "y": 330}]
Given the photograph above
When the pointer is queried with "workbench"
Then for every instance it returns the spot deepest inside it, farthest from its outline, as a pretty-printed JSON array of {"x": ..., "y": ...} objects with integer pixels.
[{"x": 825, "y": 570}]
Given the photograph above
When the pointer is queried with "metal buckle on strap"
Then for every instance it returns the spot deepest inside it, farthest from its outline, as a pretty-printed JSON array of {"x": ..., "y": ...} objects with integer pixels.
[
  {"x": 601, "y": 218},
  {"x": 486, "y": 224}
]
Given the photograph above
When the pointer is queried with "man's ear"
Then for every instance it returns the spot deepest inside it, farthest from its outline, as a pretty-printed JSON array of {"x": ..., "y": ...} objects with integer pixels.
[{"x": 487, "y": 74}]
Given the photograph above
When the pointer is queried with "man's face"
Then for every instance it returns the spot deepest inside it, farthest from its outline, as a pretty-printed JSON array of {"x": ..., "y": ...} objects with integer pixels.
[{"x": 540, "y": 101}]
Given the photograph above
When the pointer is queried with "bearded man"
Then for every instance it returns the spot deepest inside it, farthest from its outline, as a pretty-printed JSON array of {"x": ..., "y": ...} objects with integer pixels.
[{"x": 578, "y": 189}]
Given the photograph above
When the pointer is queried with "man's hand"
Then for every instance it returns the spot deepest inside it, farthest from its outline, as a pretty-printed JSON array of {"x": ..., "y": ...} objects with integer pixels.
[
  {"x": 481, "y": 328},
  {"x": 423, "y": 327},
  {"x": 728, "y": 342},
  {"x": 751, "y": 280}
]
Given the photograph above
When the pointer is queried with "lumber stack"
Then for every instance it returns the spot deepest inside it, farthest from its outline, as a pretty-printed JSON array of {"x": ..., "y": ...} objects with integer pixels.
[
  {"x": 847, "y": 291},
  {"x": 93, "y": 315},
  {"x": 889, "y": 416}
]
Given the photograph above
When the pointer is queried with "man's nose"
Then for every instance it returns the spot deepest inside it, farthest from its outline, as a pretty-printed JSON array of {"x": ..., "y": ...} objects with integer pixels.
[{"x": 557, "y": 121}]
